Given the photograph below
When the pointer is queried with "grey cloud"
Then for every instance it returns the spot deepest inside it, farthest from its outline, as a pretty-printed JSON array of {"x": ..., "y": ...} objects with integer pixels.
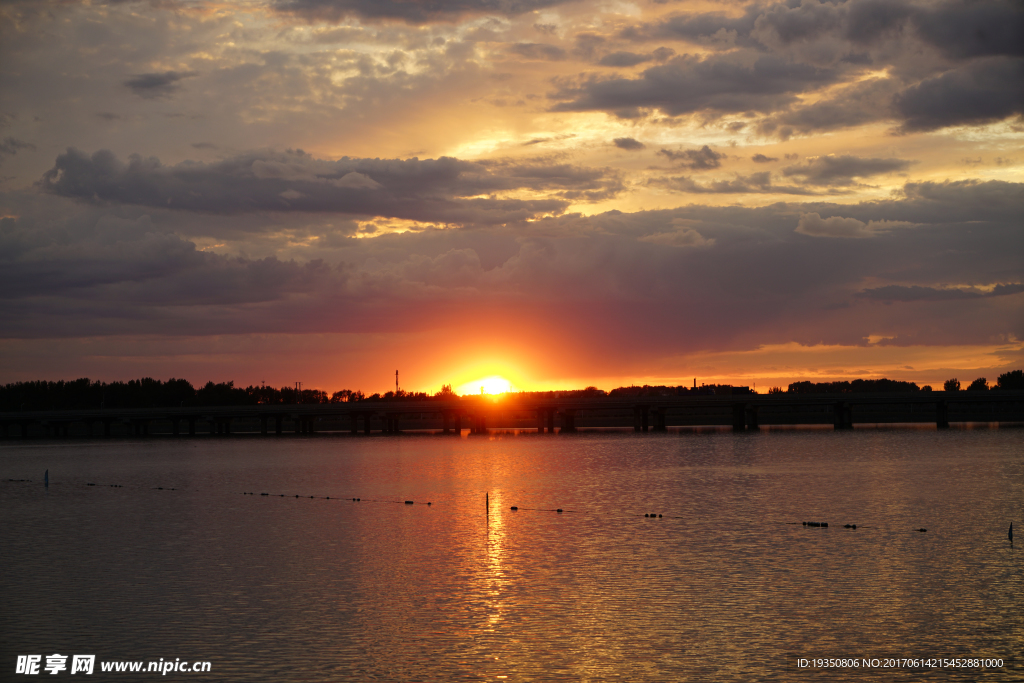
[
  {"x": 973, "y": 29},
  {"x": 612, "y": 271},
  {"x": 444, "y": 189},
  {"x": 697, "y": 159},
  {"x": 624, "y": 59},
  {"x": 688, "y": 84},
  {"x": 762, "y": 159},
  {"x": 891, "y": 293},
  {"x": 157, "y": 85},
  {"x": 628, "y": 144},
  {"x": 755, "y": 183},
  {"x": 852, "y": 105},
  {"x": 982, "y": 92},
  {"x": 410, "y": 11},
  {"x": 539, "y": 51},
  {"x": 10, "y": 146},
  {"x": 843, "y": 170},
  {"x": 959, "y": 29}
]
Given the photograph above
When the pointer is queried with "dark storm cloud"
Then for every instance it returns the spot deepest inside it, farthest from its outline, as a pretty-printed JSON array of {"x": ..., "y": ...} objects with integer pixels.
[
  {"x": 443, "y": 189},
  {"x": 891, "y": 293},
  {"x": 843, "y": 170},
  {"x": 688, "y": 84},
  {"x": 973, "y": 29},
  {"x": 628, "y": 144},
  {"x": 698, "y": 159},
  {"x": 982, "y": 92},
  {"x": 959, "y": 29},
  {"x": 923, "y": 91},
  {"x": 157, "y": 85},
  {"x": 641, "y": 275},
  {"x": 411, "y": 11}
]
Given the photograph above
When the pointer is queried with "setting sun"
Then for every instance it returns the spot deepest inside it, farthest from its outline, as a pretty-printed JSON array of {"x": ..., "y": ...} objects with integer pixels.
[{"x": 494, "y": 384}]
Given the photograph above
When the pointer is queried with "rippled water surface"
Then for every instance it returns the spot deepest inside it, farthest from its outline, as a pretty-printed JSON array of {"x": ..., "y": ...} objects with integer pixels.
[{"x": 726, "y": 585}]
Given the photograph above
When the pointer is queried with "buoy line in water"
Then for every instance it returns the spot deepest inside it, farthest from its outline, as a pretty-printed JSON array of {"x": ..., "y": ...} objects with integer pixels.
[{"x": 514, "y": 508}]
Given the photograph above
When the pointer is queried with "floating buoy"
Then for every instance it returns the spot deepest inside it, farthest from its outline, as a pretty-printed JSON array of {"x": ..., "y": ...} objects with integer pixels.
[
  {"x": 264, "y": 494},
  {"x": 558, "y": 510},
  {"x": 659, "y": 516},
  {"x": 646, "y": 515},
  {"x": 513, "y": 507},
  {"x": 296, "y": 495},
  {"x": 408, "y": 502},
  {"x": 922, "y": 530},
  {"x": 428, "y": 503}
]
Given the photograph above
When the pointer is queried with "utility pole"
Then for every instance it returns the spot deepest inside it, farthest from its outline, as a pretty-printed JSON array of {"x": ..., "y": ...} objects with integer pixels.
[{"x": 396, "y": 382}]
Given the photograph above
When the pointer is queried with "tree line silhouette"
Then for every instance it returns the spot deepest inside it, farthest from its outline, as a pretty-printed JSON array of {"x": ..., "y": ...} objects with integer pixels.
[{"x": 152, "y": 393}]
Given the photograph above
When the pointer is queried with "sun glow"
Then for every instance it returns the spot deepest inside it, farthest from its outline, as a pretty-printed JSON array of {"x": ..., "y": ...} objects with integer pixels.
[{"x": 495, "y": 384}]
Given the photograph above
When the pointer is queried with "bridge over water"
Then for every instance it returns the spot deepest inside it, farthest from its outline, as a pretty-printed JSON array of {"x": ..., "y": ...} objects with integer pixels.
[{"x": 523, "y": 412}]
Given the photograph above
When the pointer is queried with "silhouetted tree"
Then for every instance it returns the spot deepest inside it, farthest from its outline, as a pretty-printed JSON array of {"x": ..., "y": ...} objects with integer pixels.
[
  {"x": 1014, "y": 379},
  {"x": 951, "y": 385},
  {"x": 776, "y": 390},
  {"x": 980, "y": 384}
]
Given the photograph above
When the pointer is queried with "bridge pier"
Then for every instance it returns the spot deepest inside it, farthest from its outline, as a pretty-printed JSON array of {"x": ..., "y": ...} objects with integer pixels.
[
  {"x": 568, "y": 421},
  {"x": 941, "y": 415},
  {"x": 843, "y": 413},
  {"x": 659, "y": 419},
  {"x": 752, "y": 422},
  {"x": 451, "y": 421},
  {"x": 479, "y": 423},
  {"x": 739, "y": 417},
  {"x": 640, "y": 418},
  {"x": 263, "y": 425}
]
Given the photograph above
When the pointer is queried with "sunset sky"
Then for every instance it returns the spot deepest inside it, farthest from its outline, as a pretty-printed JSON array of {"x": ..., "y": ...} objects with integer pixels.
[{"x": 561, "y": 194}]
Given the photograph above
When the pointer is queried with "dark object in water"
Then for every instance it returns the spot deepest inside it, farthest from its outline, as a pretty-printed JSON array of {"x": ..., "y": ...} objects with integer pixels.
[
  {"x": 922, "y": 530},
  {"x": 1010, "y": 533},
  {"x": 46, "y": 479},
  {"x": 515, "y": 507},
  {"x": 817, "y": 524},
  {"x": 558, "y": 510},
  {"x": 408, "y": 502}
]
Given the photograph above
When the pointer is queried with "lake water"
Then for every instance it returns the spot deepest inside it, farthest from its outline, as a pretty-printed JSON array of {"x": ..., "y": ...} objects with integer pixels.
[{"x": 726, "y": 584}]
